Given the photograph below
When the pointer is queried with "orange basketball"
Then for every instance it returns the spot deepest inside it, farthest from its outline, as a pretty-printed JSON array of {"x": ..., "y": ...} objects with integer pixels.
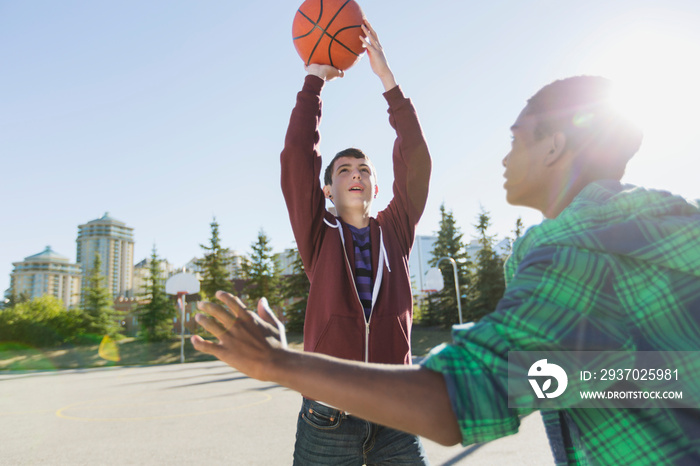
[{"x": 328, "y": 32}]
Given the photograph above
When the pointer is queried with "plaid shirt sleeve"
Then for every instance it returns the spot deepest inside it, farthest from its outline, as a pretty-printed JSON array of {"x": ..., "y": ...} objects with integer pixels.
[{"x": 550, "y": 304}]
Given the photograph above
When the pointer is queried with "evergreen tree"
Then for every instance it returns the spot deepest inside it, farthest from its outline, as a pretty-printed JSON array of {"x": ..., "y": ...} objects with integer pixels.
[
  {"x": 97, "y": 303},
  {"x": 262, "y": 272},
  {"x": 430, "y": 310},
  {"x": 214, "y": 265},
  {"x": 518, "y": 231},
  {"x": 156, "y": 315},
  {"x": 442, "y": 309},
  {"x": 488, "y": 284},
  {"x": 296, "y": 287}
]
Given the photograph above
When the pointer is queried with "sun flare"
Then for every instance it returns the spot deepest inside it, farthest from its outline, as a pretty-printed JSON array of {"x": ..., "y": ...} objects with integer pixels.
[{"x": 653, "y": 62}]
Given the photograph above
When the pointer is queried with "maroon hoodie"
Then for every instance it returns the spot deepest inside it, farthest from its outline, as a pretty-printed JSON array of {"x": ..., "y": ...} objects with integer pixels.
[{"x": 335, "y": 322}]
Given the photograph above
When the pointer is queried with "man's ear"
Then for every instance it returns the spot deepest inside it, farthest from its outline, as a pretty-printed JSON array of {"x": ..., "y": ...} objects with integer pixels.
[
  {"x": 327, "y": 192},
  {"x": 557, "y": 150},
  {"x": 376, "y": 191}
]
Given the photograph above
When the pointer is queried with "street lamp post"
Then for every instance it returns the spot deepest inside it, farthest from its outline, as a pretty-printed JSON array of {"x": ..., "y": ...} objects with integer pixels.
[{"x": 454, "y": 268}]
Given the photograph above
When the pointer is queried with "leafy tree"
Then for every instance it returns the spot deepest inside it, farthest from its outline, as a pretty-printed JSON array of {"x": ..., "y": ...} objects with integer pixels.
[
  {"x": 97, "y": 304},
  {"x": 488, "y": 284},
  {"x": 13, "y": 298},
  {"x": 443, "y": 307},
  {"x": 214, "y": 265},
  {"x": 263, "y": 273},
  {"x": 40, "y": 322},
  {"x": 295, "y": 287},
  {"x": 156, "y": 315}
]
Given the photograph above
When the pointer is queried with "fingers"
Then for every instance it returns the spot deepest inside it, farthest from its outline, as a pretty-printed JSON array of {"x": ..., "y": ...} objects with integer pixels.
[
  {"x": 209, "y": 324},
  {"x": 366, "y": 42},
  {"x": 377, "y": 57},
  {"x": 369, "y": 26},
  {"x": 218, "y": 312},
  {"x": 370, "y": 38},
  {"x": 325, "y": 72},
  {"x": 202, "y": 345},
  {"x": 223, "y": 319},
  {"x": 235, "y": 305},
  {"x": 332, "y": 72},
  {"x": 267, "y": 314}
]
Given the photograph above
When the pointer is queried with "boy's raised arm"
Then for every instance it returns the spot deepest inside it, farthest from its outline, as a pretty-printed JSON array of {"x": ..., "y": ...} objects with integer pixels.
[{"x": 377, "y": 59}]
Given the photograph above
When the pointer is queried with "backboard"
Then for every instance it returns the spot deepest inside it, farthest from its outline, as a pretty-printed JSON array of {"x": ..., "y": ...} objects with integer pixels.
[{"x": 181, "y": 283}]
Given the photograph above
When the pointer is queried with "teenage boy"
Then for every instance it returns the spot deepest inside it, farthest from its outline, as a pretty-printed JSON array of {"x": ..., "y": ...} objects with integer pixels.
[{"x": 360, "y": 301}]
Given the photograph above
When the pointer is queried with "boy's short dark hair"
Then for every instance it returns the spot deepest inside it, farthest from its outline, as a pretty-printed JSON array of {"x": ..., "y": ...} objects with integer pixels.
[
  {"x": 582, "y": 107},
  {"x": 350, "y": 152}
]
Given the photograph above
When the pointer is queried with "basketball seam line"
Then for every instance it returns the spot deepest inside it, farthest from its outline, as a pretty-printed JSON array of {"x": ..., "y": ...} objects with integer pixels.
[
  {"x": 311, "y": 21},
  {"x": 342, "y": 44}
]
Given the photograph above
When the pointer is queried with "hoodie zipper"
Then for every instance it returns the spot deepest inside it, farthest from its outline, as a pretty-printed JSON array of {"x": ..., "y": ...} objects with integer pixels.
[
  {"x": 357, "y": 295},
  {"x": 382, "y": 262}
]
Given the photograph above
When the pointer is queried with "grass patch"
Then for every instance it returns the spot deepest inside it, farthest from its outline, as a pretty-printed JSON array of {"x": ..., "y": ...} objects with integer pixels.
[
  {"x": 133, "y": 352},
  {"x": 423, "y": 339}
]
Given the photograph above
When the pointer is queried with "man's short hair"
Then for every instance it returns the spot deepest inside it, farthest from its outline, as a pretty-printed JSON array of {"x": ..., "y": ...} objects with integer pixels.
[
  {"x": 350, "y": 152},
  {"x": 583, "y": 108}
]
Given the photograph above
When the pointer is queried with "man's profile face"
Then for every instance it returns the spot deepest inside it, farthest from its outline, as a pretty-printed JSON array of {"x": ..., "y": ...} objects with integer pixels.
[{"x": 525, "y": 168}]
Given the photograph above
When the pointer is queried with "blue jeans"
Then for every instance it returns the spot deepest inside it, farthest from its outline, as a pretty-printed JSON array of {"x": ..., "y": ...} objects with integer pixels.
[{"x": 326, "y": 436}]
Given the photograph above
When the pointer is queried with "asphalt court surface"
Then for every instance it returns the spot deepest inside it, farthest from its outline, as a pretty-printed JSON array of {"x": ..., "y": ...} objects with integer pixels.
[{"x": 183, "y": 414}]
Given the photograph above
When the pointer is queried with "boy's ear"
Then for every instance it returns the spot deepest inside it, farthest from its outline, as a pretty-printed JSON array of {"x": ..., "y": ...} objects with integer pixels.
[
  {"x": 376, "y": 190},
  {"x": 327, "y": 191},
  {"x": 558, "y": 148}
]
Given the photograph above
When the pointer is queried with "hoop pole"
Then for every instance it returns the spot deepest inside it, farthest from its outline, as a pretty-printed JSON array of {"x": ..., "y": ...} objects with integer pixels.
[{"x": 181, "y": 301}]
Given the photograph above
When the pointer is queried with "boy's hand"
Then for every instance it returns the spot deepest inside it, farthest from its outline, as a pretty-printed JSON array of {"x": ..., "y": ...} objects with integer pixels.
[
  {"x": 325, "y": 72},
  {"x": 246, "y": 341},
  {"x": 377, "y": 59}
]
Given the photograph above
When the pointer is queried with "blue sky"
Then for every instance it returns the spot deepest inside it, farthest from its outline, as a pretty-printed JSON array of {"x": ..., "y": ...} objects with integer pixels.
[{"x": 168, "y": 113}]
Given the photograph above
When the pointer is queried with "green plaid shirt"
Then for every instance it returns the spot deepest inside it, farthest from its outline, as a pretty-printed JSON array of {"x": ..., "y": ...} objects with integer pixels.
[{"x": 619, "y": 269}]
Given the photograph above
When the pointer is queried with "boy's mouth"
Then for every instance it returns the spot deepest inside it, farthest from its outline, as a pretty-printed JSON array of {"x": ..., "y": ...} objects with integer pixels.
[{"x": 357, "y": 187}]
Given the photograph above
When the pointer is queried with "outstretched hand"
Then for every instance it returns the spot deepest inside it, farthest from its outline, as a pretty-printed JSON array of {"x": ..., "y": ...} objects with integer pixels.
[
  {"x": 377, "y": 58},
  {"x": 383, "y": 394},
  {"x": 247, "y": 341}
]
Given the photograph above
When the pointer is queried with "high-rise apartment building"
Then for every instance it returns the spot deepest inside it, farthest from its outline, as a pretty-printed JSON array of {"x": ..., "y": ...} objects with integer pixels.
[
  {"x": 114, "y": 242},
  {"x": 47, "y": 273},
  {"x": 142, "y": 275},
  {"x": 235, "y": 265}
]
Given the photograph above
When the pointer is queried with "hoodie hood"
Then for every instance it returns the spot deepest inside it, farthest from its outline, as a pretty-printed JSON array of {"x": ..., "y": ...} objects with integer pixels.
[{"x": 648, "y": 226}]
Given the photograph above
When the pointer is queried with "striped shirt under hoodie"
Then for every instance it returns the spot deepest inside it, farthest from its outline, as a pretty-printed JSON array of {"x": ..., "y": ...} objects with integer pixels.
[{"x": 363, "y": 267}]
